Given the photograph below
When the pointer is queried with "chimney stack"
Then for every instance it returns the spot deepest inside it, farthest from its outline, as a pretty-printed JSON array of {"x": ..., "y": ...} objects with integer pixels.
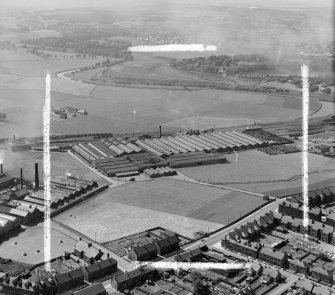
[
  {"x": 1, "y": 168},
  {"x": 21, "y": 177},
  {"x": 160, "y": 131},
  {"x": 37, "y": 182}
]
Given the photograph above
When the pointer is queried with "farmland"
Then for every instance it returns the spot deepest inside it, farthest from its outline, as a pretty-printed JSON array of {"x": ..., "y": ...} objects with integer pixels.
[{"x": 255, "y": 166}]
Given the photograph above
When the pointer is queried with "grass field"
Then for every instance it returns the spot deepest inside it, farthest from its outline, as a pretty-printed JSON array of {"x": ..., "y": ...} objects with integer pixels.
[
  {"x": 60, "y": 163},
  {"x": 166, "y": 195},
  {"x": 255, "y": 166},
  {"x": 30, "y": 241},
  {"x": 180, "y": 206},
  {"x": 106, "y": 220}
]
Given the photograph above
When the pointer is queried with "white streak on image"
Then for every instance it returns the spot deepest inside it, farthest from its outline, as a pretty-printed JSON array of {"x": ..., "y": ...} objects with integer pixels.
[
  {"x": 172, "y": 47},
  {"x": 305, "y": 112},
  {"x": 46, "y": 162},
  {"x": 194, "y": 265}
]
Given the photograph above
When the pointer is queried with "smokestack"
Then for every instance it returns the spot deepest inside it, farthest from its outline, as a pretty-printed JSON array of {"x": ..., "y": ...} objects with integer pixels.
[
  {"x": 1, "y": 168},
  {"x": 160, "y": 131},
  {"x": 37, "y": 182},
  {"x": 21, "y": 177}
]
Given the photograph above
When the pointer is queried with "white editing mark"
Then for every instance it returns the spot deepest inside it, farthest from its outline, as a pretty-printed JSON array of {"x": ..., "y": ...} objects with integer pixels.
[
  {"x": 194, "y": 265},
  {"x": 172, "y": 47},
  {"x": 46, "y": 162},
  {"x": 134, "y": 112},
  {"x": 305, "y": 112},
  {"x": 236, "y": 156}
]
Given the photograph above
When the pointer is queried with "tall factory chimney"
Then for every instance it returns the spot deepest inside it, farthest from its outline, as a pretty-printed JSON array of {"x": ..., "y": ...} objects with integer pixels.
[
  {"x": 21, "y": 177},
  {"x": 1, "y": 168},
  {"x": 37, "y": 182},
  {"x": 160, "y": 131}
]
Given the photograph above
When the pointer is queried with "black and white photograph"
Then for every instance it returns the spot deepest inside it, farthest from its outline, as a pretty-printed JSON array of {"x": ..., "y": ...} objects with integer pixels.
[{"x": 167, "y": 147}]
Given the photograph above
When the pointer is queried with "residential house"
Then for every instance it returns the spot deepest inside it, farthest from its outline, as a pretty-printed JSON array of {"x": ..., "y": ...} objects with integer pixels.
[
  {"x": 322, "y": 275},
  {"x": 92, "y": 272},
  {"x": 107, "y": 266},
  {"x": 63, "y": 282},
  {"x": 315, "y": 229},
  {"x": 299, "y": 266},
  {"x": 273, "y": 257},
  {"x": 87, "y": 252},
  {"x": 305, "y": 287},
  {"x": 315, "y": 214},
  {"x": 286, "y": 221},
  {"x": 326, "y": 233},
  {"x": 143, "y": 253},
  {"x": 296, "y": 225},
  {"x": 77, "y": 276},
  {"x": 330, "y": 219},
  {"x": 242, "y": 246},
  {"x": 131, "y": 279}
]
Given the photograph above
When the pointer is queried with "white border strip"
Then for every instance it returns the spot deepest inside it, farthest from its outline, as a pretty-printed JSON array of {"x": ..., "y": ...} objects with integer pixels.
[
  {"x": 305, "y": 112},
  {"x": 46, "y": 162}
]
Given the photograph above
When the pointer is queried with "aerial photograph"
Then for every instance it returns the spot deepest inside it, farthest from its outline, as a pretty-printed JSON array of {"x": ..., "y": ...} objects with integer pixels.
[{"x": 167, "y": 147}]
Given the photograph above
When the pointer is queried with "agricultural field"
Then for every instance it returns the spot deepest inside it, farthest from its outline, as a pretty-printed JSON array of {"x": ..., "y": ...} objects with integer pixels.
[
  {"x": 61, "y": 163},
  {"x": 31, "y": 240},
  {"x": 256, "y": 166}
]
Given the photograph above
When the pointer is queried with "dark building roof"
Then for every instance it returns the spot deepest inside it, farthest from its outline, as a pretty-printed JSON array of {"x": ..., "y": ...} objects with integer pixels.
[
  {"x": 76, "y": 274},
  {"x": 134, "y": 273},
  {"x": 5, "y": 209},
  {"x": 150, "y": 247},
  {"x": 122, "y": 278},
  {"x": 106, "y": 263},
  {"x": 92, "y": 268},
  {"x": 162, "y": 243},
  {"x": 196, "y": 252},
  {"x": 139, "y": 250},
  {"x": 62, "y": 278},
  {"x": 173, "y": 240},
  {"x": 21, "y": 193},
  {"x": 91, "y": 290}
]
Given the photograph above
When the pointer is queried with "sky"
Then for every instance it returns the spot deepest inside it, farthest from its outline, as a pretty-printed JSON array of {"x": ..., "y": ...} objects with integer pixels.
[{"x": 56, "y": 4}]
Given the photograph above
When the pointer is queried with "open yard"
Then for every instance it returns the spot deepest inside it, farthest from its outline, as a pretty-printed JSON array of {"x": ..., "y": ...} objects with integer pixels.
[
  {"x": 60, "y": 164},
  {"x": 256, "y": 166},
  {"x": 31, "y": 242}
]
